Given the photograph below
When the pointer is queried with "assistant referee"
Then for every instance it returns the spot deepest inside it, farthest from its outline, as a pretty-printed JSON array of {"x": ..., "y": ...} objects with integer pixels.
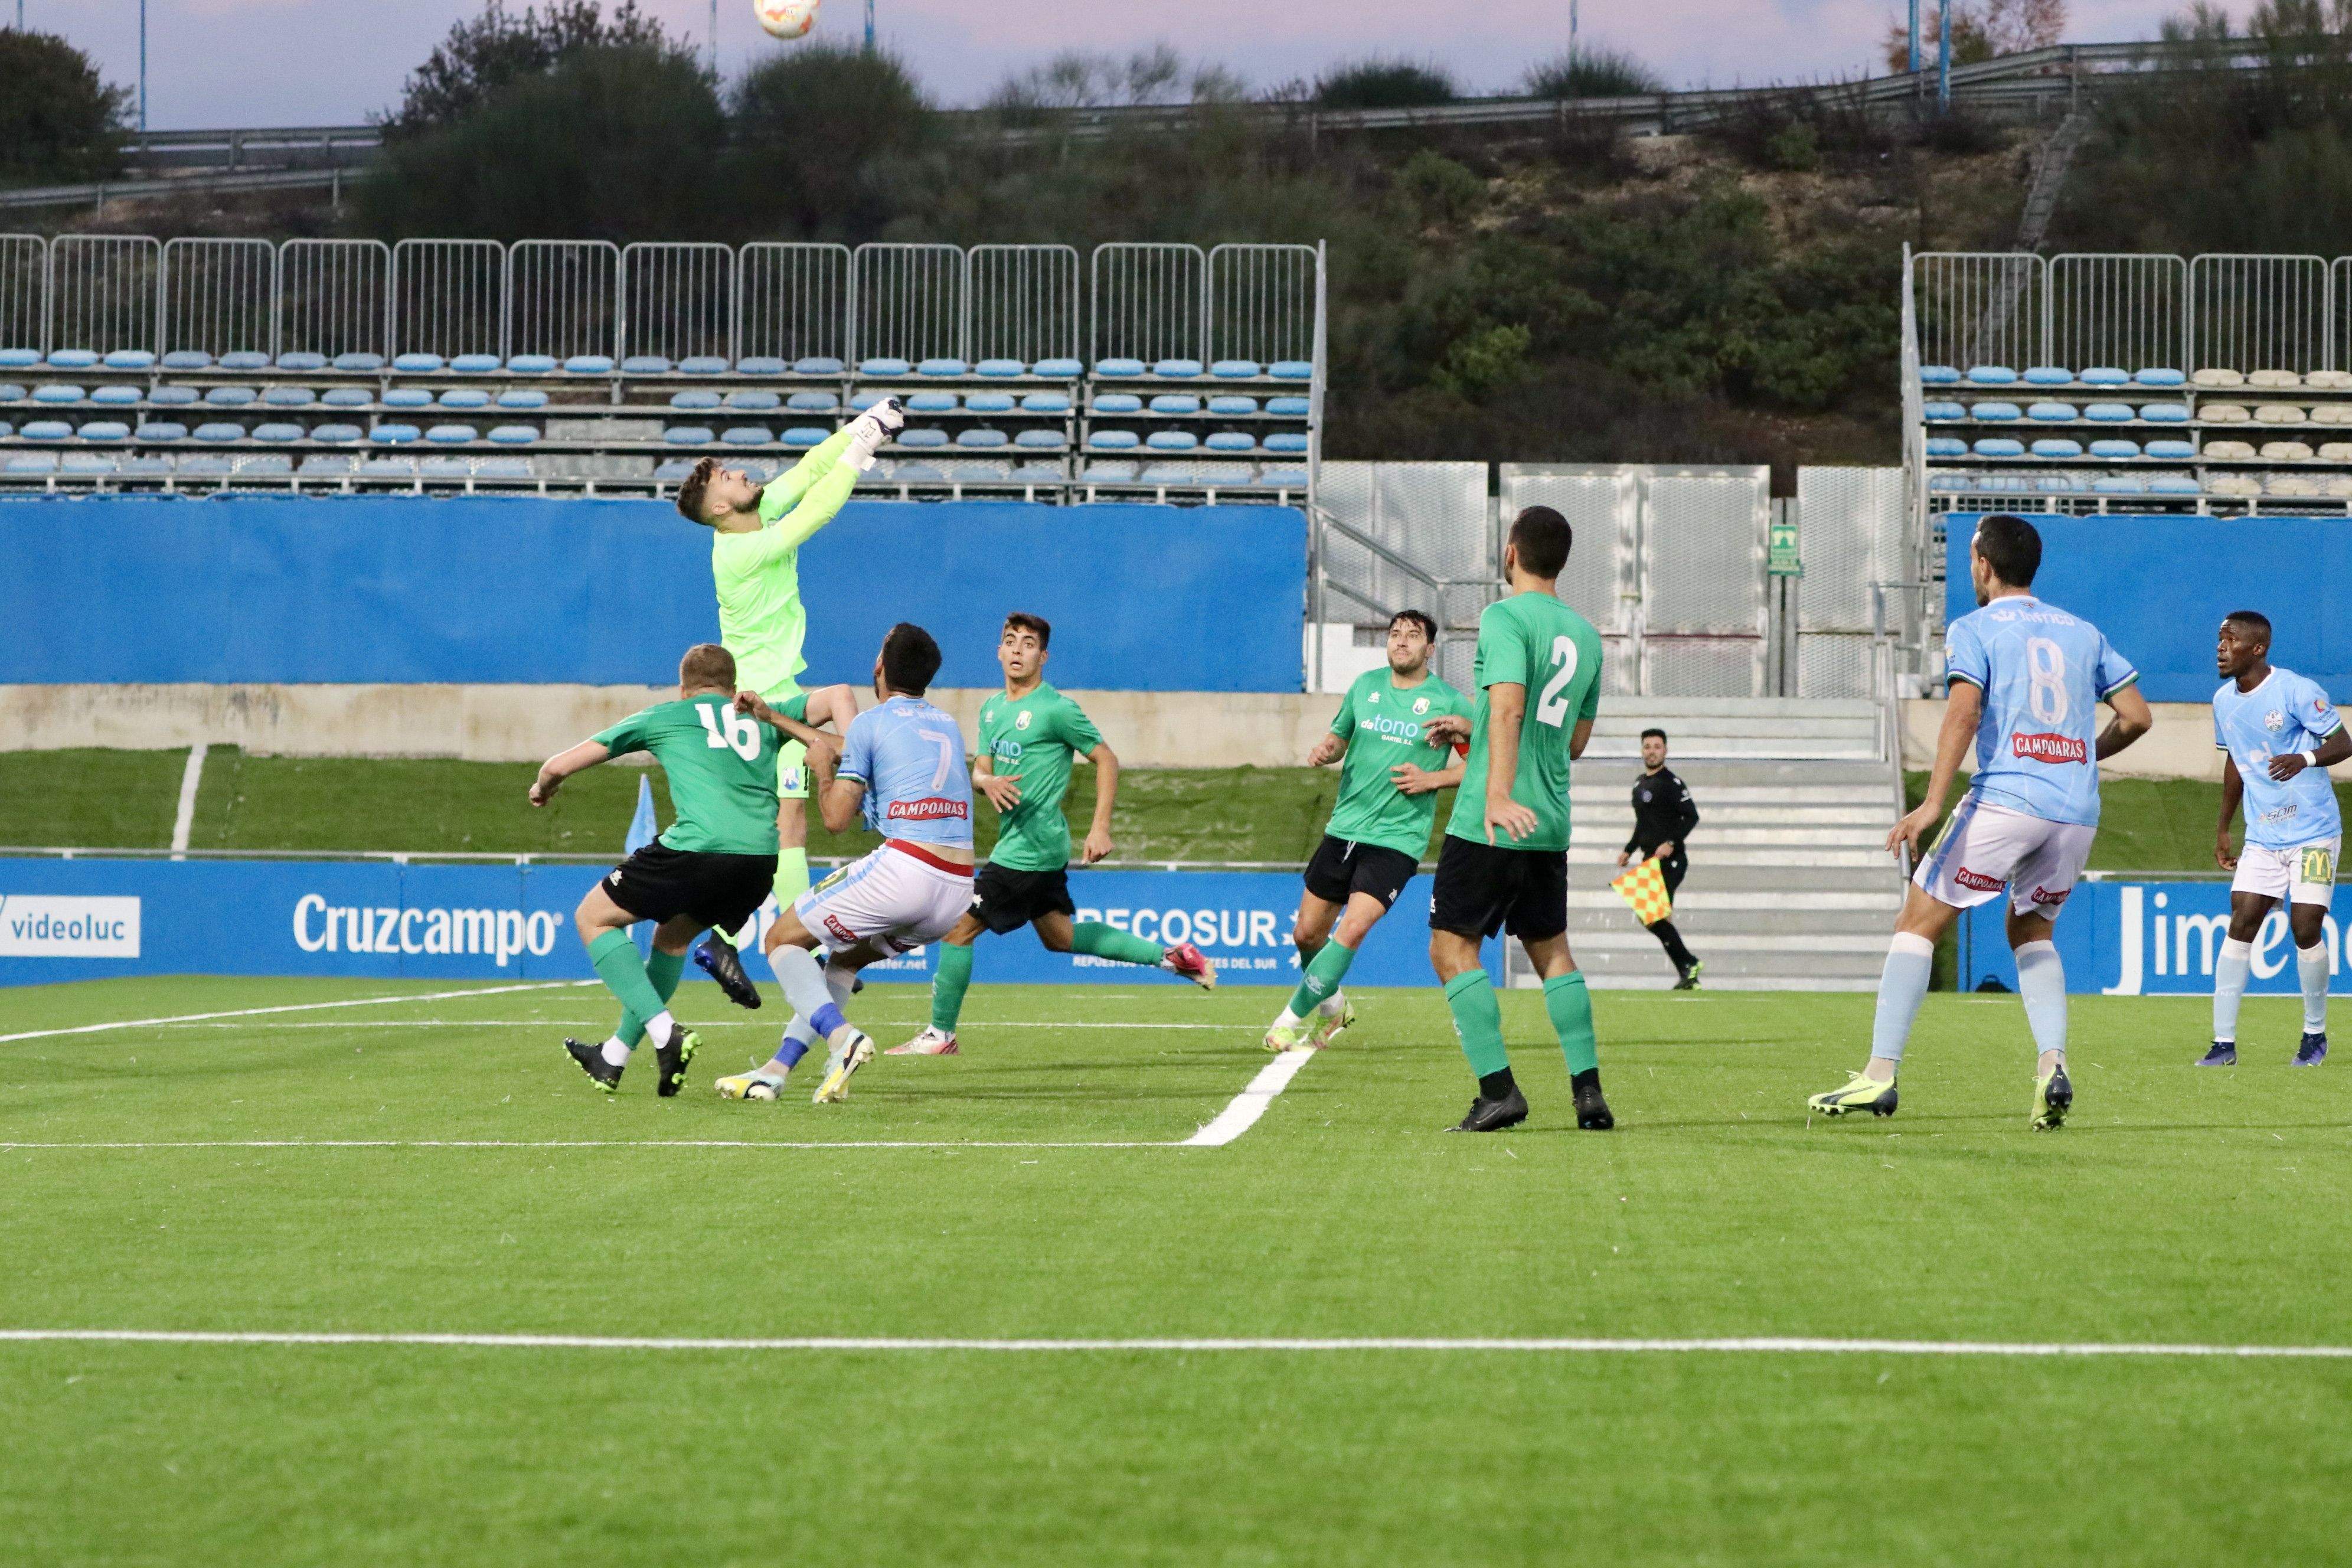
[{"x": 1663, "y": 815}]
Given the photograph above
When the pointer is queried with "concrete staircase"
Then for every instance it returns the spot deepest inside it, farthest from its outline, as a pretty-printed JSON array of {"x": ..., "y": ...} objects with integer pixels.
[{"x": 1789, "y": 888}]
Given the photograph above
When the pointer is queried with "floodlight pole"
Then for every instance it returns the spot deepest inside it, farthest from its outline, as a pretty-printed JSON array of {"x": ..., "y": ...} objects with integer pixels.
[
  {"x": 1915, "y": 37},
  {"x": 1572, "y": 32},
  {"x": 1944, "y": 58},
  {"x": 869, "y": 27},
  {"x": 143, "y": 63},
  {"x": 714, "y": 35}
]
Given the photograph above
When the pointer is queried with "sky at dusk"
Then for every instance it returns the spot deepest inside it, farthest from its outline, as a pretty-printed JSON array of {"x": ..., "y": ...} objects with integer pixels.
[{"x": 314, "y": 62}]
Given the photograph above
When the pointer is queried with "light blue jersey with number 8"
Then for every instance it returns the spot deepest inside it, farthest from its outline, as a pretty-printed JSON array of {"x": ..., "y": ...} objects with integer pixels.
[{"x": 2043, "y": 673}]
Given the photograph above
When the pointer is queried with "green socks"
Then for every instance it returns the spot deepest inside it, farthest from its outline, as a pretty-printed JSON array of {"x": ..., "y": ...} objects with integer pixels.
[
  {"x": 1099, "y": 941},
  {"x": 623, "y": 974},
  {"x": 662, "y": 971},
  {"x": 1324, "y": 973},
  {"x": 948, "y": 987},
  {"x": 1478, "y": 1020},
  {"x": 1570, "y": 1006},
  {"x": 791, "y": 876}
]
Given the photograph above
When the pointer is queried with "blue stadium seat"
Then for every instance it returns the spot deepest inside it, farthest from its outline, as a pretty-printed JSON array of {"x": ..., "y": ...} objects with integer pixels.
[
  {"x": 2159, "y": 376},
  {"x": 694, "y": 400},
  {"x": 1041, "y": 440},
  {"x": 702, "y": 364},
  {"x": 1287, "y": 442},
  {"x": 811, "y": 403},
  {"x": 673, "y": 470},
  {"x": 2114, "y": 448},
  {"x": 389, "y": 468},
  {"x": 930, "y": 402},
  {"x": 1169, "y": 474},
  {"x": 104, "y": 430},
  {"x": 300, "y": 360},
  {"x": 1991, "y": 376},
  {"x": 1289, "y": 407},
  {"x": 513, "y": 434},
  {"x": 688, "y": 436},
  {"x": 11, "y": 392},
  {"x": 917, "y": 473},
  {"x": 2108, "y": 413},
  {"x": 401, "y": 397},
  {"x": 759, "y": 364},
  {"x": 1999, "y": 447},
  {"x": 1119, "y": 366},
  {"x": 2051, "y": 411},
  {"x": 503, "y": 468},
  {"x": 922, "y": 438},
  {"x": 331, "y": 435},
  {"x": 1995, "y": 410},
  {"x": 129, "y": 359},
  {"x": 452, "y": 435},
  {"x": 646, "y": 365},
  {"x": 1110, "y": 473},
  {"x": 806, "y": 435},
  {"x": 588, "y": 364},
  {"x": 418, "y": 362},
  {"x": 19, "y": 359},
  {"x": 115, "y": 396},
  {"x": 1947, "y": 447},
  {"x": 2173, "y": 485},
  {"x": 231, "y": 397},
  {"x": 278, "y": 434},
  {"x": 2171, "y": 451},
  {"x": 988, "y": 402},
  {"x": 1232, "y": 404},
  {"x": 2056, "y": 447},
  {"x": 1045, "y": 403},
  {"x": 754, "y": 402},
  {"x": 465, "y": 397},
  {"x": 47, "y": 430},
  {"x": 2048, "y": 376},
  {"x": 1177, "y": 369},
  {"x": 1058, "y": 369},
  {"x": 72, "y": 359},
  {"x": 883, "y": 365},
  {"x": 982, "y": 439},
  {"x": 2120, "y": 485},
  {"x": 359, "y": 362},
  {"x": 1176, "y": 403},
  {"x": 1283, "y": 478},
  {"x": 807, "y": 364},
  {"x": 1291, "y": 370},
  {"x": 220, "y": 432},
  {"x": 942, "y": 365},
  {"x": 347, "y": 398},
  {"x": 1172, "y": 441},
  {"x": 1231, "y": 441},
  {"x": 325, "y": 464},
  {"x": 394, "y": 434},
  {"x": 207, "y": 464},
  {"x": 85, "y": 463},
  {"x": 1036, "y": 474},
  {"x": 249, "y": 360},
  {"x": 162, "y": 430},
  {"x": 532, "y": 365},
  {"x": 1117, "y": 402},
  {"x": 444, "y": 468},
  {"x": 2164, "y": 413},
  {"x": 1235, "y": 370},
  {"x": 7, "y": 429},
  {"x": 30, "y": 463},
  {"x": 1000, "y": 367},
  {"x": 2105, "y": 375},
  {"x": 289, "y": 396},
  {"x": 522, "y": 397},
  {"x": 1939, "y": 376},
  {"x": 474, "y": 364},
  {"x": 1113, "y": 441},
  {"x": 1943, "y": 410},
  {"x": 145, "y": 465},
  {"x": 747, "y": 435},
  {"x": 58, "y": 391}
]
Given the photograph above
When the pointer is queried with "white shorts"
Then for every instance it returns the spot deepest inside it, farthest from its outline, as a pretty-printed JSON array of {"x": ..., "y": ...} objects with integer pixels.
[
  {"x": 900, "y": 896},
  {"x": 2301, "y": 873},
  {"x": 1986, "y": 847}
]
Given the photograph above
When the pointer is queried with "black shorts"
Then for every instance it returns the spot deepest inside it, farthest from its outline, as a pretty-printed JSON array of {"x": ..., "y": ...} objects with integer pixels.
[
  {"x": 658, "y": 883},
  {"x": 1342, "y": 866},
  {"x": 1006, "y": 899},
  {"x": 1482, "y": 889}
]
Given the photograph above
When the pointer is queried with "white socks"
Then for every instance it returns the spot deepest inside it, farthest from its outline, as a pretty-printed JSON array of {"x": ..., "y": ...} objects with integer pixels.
[
  {"x": 2229, "y": 974},
  {"x": 616, "y": 1054},
  {"x": 2311, "y": 968},
  {"x": 1328, "y": 1007},
  {"x": 2041, "y": 986},
  {"x": 1902, "y": 986}
]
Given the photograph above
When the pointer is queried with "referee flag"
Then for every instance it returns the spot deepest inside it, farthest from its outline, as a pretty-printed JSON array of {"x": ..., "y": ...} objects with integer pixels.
[{"x": 1645, "y": 888}]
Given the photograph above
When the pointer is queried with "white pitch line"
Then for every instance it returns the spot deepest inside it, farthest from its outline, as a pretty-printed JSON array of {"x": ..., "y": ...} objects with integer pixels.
[
  {"x": 600, "y": 1143},
  {"x": 1234, "y": 1028},
  {"x": 1745, "y": 1345},
  {"x": 1242, "y": 1112},
  {"x": 295, "y": 1007}
]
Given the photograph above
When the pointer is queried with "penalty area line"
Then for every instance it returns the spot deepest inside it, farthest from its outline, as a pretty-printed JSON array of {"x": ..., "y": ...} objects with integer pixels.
[
  {"x": 1745, "y": 1345},
  {"x": 296, "y": 1007}
]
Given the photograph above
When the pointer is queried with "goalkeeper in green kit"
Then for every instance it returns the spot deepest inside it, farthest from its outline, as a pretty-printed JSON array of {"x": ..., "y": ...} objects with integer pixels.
[
  {"x": 756, "y": 535},
  {"x": 1028, "y": 734}
]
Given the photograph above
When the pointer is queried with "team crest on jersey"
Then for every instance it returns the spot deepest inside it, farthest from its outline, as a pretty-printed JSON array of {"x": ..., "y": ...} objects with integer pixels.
[
  {"x": 1022, "y": 721},
  {"x": 1420, "y": 706},
  {"x": 2273, "y": 720},
  {"x": 1371, "y": 697}
]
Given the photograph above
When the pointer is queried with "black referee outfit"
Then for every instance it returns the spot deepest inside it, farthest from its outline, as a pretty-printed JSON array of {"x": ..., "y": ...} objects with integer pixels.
[{"x": 1663, "y": 812}]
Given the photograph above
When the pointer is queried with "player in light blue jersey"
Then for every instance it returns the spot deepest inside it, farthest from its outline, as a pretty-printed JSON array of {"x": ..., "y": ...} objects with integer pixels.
[
  {"x": 2279, "y": 732},
  {"x": 2025, "y": 682},
  {"x": 902, "y": 773}
]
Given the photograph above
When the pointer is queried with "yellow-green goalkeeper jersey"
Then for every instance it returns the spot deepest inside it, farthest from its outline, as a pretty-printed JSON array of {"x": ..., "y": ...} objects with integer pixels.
[
  {"x": 1034, "y": 737},
  {"x": 1533, "y": 641},
  {"x": 721, "y": 766},
  {"x": 758, "y": 573},
  {"x": 1381, "y": 722}
]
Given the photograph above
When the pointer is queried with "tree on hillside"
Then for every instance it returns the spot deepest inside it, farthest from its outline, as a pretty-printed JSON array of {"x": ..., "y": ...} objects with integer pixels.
[
  {"x": 1593, "y": 73},
  {"x": 1076, "y": 79},
  {"x": 499, "y": 49},
  {"x": 809, "y": 127},
  {"x": 1981, "y": 30},
  {"x": 1385, "y": 84},
  {"x": 58, "y": 120}
]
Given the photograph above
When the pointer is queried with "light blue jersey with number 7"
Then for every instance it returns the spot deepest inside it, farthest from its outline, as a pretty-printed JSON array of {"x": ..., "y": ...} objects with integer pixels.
[
  {"x": 909, "y": 756},
  {"x": 2043, "y": 673}
]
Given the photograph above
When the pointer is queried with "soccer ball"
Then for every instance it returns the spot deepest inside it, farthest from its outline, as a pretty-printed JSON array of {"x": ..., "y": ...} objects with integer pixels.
[
  {"x": 762, "y": 1089},
  {"x": 785, "y": 19}
]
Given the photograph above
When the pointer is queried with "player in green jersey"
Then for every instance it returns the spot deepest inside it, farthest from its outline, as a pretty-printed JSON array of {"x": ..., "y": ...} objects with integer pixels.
[
  {"x": 757, "y": 531},
  {"x": 713, "y": 866},
  {"x": 1505, "y": 861},
  {"x": 1028, "y": 734},
  {"x": 1379, "y": 825}
]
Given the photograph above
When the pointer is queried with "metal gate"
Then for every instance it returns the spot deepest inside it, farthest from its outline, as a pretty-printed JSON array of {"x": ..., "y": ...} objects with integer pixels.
[
  {"x": 1401, "y": 536},
  {"x": 1668, "y": 565}
]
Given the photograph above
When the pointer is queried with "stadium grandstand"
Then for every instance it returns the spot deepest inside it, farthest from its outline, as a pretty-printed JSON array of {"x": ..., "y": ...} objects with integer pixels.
[{"x": 1151, "y": 370}]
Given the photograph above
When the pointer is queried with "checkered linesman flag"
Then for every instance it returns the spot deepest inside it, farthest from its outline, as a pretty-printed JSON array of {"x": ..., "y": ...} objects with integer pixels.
[{"x": 1645, "y": 888}]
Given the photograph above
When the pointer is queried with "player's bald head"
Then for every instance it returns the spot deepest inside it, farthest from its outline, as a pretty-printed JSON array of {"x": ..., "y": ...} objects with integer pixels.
[{"x": 2251, "y": 625}]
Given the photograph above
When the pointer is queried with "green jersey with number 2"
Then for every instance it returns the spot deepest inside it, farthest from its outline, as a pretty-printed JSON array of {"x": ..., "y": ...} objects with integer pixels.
[
  {"x": 721, "y": 766},
  {"x": 1533, "y": 641}
]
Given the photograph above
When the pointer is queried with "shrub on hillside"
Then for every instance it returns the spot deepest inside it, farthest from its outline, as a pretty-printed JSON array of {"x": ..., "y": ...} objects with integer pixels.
[
  {"x": 815, "y": 130},
  {"x": 58, "y": 120},
  {"x": 498, "y": 49},
  {"x": 1385, "y": 84},
  {"x": 1593, "y": 73}
]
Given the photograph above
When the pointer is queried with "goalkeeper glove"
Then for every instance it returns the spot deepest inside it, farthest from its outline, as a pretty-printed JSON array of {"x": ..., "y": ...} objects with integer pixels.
[{"x": 873, "y": 429}]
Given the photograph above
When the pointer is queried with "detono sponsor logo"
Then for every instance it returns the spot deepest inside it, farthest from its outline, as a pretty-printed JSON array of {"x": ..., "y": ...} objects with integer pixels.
[
  {"x": 500, "y": 934},
  {"x": 37, "y": 925},
  {"x": 2046, "y": 748},
  {"x": 1394, "y": 729}
]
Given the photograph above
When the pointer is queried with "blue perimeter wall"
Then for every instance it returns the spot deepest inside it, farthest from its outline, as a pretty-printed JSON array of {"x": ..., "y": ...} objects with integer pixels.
[
  {"x": 2134, "y": 938},
  {"x": 2158, "y": 587},
  {"x": 359, "y": 589}
]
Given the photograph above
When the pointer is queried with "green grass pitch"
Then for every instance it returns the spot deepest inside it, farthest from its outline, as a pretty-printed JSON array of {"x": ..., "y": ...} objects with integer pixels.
[{"x": 2179, "y": 1206}]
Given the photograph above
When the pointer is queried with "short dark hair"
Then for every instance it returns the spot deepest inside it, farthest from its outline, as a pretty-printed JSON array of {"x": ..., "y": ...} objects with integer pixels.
[
  {"x": 1543, "y": 539},
  {"x": 1420, "y": 618},
  {"x": 706, "y": 666},
  {"x": 1660, "y": 734},
  {"x": 1022, "y": 620},
  {"x": 910, "y": 659},
  {"x": 2011, "y": 546},
  {"x": 690, "y": 491},
  {"x": 2253, "y": 621}
]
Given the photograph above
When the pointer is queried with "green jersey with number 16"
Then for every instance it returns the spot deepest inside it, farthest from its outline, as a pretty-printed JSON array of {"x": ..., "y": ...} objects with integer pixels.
[
  {"x": 1533, "y": 641},
  {"x": 721, "y": 766}
]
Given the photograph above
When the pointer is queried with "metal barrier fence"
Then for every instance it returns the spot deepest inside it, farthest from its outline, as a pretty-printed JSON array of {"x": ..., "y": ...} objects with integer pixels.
[{"x": 680, "y": 300}]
